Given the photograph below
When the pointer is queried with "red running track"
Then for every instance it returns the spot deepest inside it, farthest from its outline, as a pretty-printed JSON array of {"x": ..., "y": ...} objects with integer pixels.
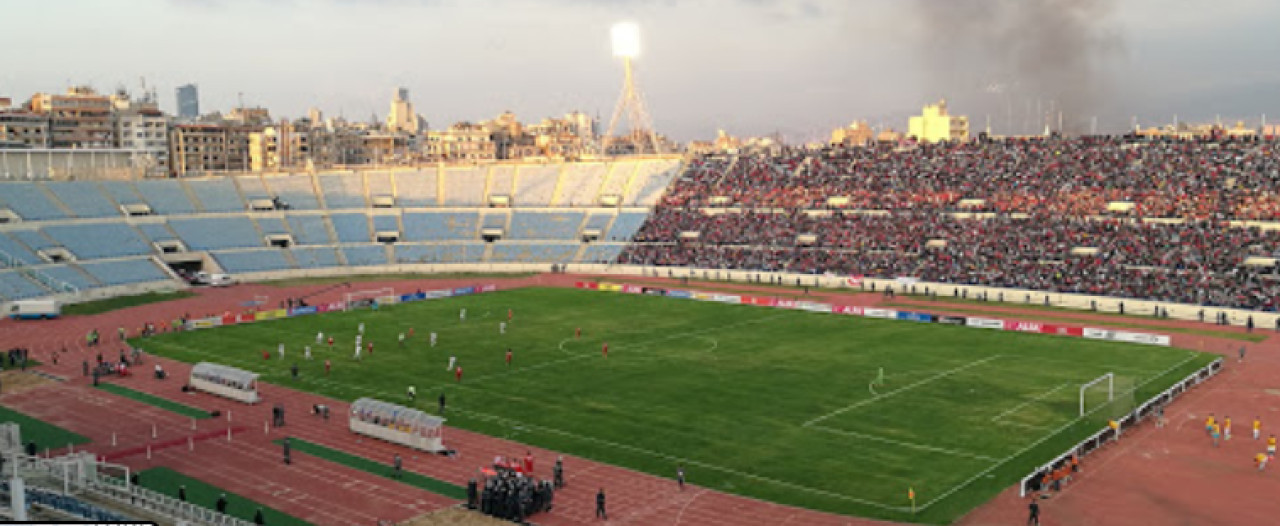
[{"x": 1152, "y": 476}]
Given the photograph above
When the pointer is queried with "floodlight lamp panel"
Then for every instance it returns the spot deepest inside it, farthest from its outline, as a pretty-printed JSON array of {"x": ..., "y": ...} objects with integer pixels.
[{"x": 626, "y": 39}]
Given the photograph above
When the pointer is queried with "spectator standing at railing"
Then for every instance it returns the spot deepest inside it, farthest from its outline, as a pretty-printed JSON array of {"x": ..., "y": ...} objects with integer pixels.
[
  {"x": 221, "y": 505},
  {"x": 182, "y": 493},
  {"x": 258, "y": 518}
]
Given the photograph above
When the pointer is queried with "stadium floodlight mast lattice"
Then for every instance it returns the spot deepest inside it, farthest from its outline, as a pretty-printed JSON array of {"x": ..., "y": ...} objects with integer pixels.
[{"x": 626, "y": 45}]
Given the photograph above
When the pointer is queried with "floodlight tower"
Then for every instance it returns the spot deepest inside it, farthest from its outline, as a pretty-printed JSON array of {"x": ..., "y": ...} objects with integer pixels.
[{"x": 626, "y": 45}]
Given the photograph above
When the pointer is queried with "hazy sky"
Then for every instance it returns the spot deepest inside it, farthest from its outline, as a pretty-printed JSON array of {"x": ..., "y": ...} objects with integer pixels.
[{"x": 750, "y": 67}]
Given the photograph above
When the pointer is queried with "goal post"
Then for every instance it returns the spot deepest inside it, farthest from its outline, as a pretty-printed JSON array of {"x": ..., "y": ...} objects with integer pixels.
[
  {"x": 366, "y": 298},
  {"x": 1108, "y": 397},
  {"x": 1088, "y": 391}
]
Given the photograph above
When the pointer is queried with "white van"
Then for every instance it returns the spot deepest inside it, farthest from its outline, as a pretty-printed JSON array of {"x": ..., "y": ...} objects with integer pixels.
[
  {"x": 34, "y": 309},
  {"x": 213, "y": 280}
]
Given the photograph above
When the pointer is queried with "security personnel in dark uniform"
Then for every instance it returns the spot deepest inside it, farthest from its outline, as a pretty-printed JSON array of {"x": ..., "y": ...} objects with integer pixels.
[{"x": 471, "y": 494}]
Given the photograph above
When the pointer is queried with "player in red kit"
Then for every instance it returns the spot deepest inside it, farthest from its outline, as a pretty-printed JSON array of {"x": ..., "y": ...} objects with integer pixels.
[
  {"x": 509, "y": 313},
  {"x": 604, "y": 349},
  {"x": 508, "y": 357},
  {"x": 266, "y": 355},
  {"x": 331, "y": 343},
  {"x": 578, "y": 333},
  {"x": 327, "y": 365},
  {"x": 370, "y": 347},
  {"x": 457, "y": 373}
]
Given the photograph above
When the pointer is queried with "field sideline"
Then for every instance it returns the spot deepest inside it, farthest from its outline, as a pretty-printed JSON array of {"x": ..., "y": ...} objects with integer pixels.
[{"x": 765, "y": 403}]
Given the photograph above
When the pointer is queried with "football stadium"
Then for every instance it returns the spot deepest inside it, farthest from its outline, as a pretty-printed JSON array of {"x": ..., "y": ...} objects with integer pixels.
[{"x": 556, "y": 325}]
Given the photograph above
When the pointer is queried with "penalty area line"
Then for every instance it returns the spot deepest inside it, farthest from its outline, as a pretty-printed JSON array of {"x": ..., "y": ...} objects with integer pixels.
[
  {"x": 907, "y": 387},
  {"x": 903, "y": 443}
]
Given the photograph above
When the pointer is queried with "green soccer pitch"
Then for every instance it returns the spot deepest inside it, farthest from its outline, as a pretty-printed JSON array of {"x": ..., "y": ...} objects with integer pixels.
[{"x": 769, "y": 403}]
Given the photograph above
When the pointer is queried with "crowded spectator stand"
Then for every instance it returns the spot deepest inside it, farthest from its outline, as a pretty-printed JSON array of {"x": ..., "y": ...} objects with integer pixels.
[
  {"x": 397, "y": 424},
  {"x": 225, "y": 381}
]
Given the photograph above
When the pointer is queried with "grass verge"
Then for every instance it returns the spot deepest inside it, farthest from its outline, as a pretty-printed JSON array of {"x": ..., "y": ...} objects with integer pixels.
[
  {"x": 123, "y": 302},
  {"x": 416, "y": 480},
  {"x": 167, "y": 481},
  {"x": 44, "y": 434},
  {"x": 150, "y": 399}
]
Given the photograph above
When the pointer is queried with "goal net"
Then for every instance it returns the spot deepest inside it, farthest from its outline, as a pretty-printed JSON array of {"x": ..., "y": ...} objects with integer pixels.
[
  {"x": 1107, "y": 397},
  {"x": 367, "y": 298}
]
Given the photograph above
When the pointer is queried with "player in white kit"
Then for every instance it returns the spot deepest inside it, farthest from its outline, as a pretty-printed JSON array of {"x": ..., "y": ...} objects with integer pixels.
[
  {"x": 282, "y": 351},
  {"x": 452, "y": 360},
  {"x": 433, "y": 339},
  {"x": 502, "y": 327},
  {"x": 307, "y": 352}
]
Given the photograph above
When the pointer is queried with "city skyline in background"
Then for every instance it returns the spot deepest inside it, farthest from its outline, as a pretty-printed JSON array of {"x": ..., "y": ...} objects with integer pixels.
[{"x": 751, "y": 67}]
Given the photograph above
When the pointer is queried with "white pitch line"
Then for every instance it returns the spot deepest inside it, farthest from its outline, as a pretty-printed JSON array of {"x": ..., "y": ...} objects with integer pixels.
[
  {"x": 1044, "y": 438},
  {"x": 938, "y": 376},
  {"x": 1038, "y": 398},
  {"x": 903, "y": 443},
  {"x": 691, "y": 462}
]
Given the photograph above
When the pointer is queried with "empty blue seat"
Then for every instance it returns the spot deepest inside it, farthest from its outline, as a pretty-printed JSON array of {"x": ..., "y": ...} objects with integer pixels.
[
  {"x": 365, "y": 255},
  {"x": 124, "y": 272},
  {"x": 351, "y": 228},
  {"x": 385, "y": 223},
  {"x": 29, "y": 201},
  {"x": 218, "y": 194},
  {"x": 253, "y": 260},
  {"x": 343, "y": 190},
  {"x": 310, "y": 230},
  {"x": 99, "y": 240},
  {"x": 84, "y": 198},
  {"x": 533, "y": 253},
  {"x": 14, "y": 286},
  {"x": 545, "y": 225},
  {"x": 295, "y": 190},
  {"x": 212, "y": 233},
  {"x": 166, "y": 197},
  {"x": 315, "y": 257},
  {"x": 19, "y": 254},
  {"x": 602, "y": 253},
  {"x": 69, "y": 275},
  {"x": 626, "y": 226}
]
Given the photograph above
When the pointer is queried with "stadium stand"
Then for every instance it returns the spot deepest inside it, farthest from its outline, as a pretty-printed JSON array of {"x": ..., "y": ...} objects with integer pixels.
[
  {"x": 580, "y": 184},
  {"x": 351, "y": 227},
  {"x": 365, "y": 255},
  {"x": 464, "y": 186},
  {"x": 252, "y": 260},
  {"x": 502, "y": 180},
  {"x": 33, "y": 239},
  {"x": 84, "y": 199},
  {"x": 214, "y": 233},
  {"x": 386, "y": 223},
  {"x": 545, "y": 225},
  {"x": 14, "y": 286},
  {"x": 99, "y": 240},
  {"x": 30, "y": 201},
  {"x": 536, "y": 185},
  {"x": 506, "y": 252},
  {"x": 310, "y": 230},
  {"x": 168, "y": 197},
  {"x": 122, "y": 192},
  {"x": 15, "y": 253},
  {"x": 157, "y": 231},
  {"x": 602, "y": 253},
  {"x": 379, "y": 183},
  {"x": 124, "y": 272},
  {"x": 296, "y": 191},
  {"x": 416, "y": 189},
  {"x": 70, "y": 275},
  {"x": 315, "y": 257},
  {"x": 625, "y": 226},
  {"x": 343, "y": 190},
  {"x": 452, "y": 253},
  {"x": 271, "y": 225}
]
